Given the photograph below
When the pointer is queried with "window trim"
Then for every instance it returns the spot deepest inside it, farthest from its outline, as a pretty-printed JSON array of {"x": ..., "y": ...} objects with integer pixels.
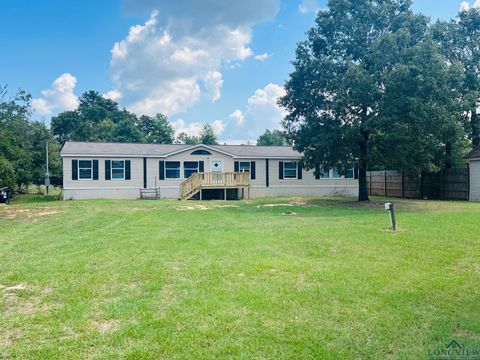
[
  {"x": 111, "y": 170},
  {"x": 91, "y": 170},
  {"x": 296, "y": 170},
  {"x": 170, "y": 168}
]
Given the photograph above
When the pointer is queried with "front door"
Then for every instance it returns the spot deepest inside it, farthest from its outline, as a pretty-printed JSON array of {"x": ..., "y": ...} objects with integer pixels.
[{"x": 216, "y": 166}]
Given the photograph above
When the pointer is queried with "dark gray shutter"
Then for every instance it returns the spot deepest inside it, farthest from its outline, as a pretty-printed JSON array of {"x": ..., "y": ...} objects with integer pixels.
[
  {"x": 74, "y": 169},
  {"x": 267, "y": 174},
  {"x": 236, "y": 166},
  {"x": 253, "y": 172},
  {"x": 127, "y": 170},
  {"x": 299, "y": 170},
  {"x": 280, "y": 170},
  {"x": 201, "y": 166},
  {"x": 95, "y": 169},
  {"x": 317, "y": 171},
  {"x": 108, "y": 174},
  {"x": 161, "y": 174},
  {"x": 144, "y": 172}
]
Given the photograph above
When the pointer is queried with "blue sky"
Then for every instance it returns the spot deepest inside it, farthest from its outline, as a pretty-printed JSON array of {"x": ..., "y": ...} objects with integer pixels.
[{"x": 212, "y": 61}]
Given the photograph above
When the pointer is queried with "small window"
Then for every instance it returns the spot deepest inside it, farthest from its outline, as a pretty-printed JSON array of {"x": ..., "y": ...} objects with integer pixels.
[
  {"x": 324, "y": 173},
  {"x": 336, "y": 174},
  {"x": 290, "y": 170},
  {"x": 118, "y": 170},
  {"x": 244, "y": 166},
  {"x": 85, "y": 169},
  {"x": 172, "y": 169},
  {"x": 190, "y": 168},
  {"x": 349, "y": 174},
  {"x": 201, "y": 152}
]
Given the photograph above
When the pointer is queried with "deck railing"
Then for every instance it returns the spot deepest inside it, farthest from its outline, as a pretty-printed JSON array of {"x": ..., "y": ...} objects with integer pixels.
[{"x": 213, "y": 180}]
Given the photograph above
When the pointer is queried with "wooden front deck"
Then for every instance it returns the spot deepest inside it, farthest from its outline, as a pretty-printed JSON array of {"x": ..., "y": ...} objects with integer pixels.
[{"x": 213, "y": 180}]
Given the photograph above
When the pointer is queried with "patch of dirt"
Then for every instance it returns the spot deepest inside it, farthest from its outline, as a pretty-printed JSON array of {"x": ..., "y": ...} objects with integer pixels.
[
  {"x": 13, "y": 212},
  {"x": 105, "y": 326},
  {"x": 226, "y": 206},
  {"x": 193, "y": 207},
  {"x": 23, "y": 299},
  {"x": 289, "y": 213},
  {"x": 273, "y": 205},
  {"x": 9, "y": 337}
]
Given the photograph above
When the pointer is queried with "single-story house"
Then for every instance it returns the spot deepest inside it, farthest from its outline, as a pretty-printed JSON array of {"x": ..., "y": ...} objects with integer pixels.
[
  {"x": 131, "y": 170},
  {"x": 473, "y": 158}
]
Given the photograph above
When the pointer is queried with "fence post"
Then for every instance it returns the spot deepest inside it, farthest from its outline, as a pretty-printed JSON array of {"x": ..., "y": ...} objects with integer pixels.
[
  {"x": 421, "y": 185},
  {"x": 441, "y": 184},
  {"x": 370, "y": 183},
  {"x": 402, "y": 192},
  {"x": 468, "y": 180},
  {"x": 384, "y": 182}
]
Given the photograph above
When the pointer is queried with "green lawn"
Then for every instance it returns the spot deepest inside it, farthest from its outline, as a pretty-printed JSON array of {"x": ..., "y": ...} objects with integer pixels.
[{"x": 175, "y": 280}]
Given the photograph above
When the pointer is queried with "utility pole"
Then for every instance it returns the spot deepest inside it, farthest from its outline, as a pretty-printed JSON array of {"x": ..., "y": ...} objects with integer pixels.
[{"x": 47, "y": 173}]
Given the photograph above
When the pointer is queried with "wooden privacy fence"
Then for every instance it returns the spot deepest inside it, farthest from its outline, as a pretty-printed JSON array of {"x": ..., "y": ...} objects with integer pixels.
[{"x": 448, "y": 184}]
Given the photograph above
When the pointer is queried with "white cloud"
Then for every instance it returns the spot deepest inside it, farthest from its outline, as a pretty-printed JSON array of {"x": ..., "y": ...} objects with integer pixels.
[
  {"x": 262, "y": 57},
  {"x": 213, "y": 83},
  {"x": 237, "y": 116},
  {"x": 309, "y": 6},
  {"x": 465, "y": 6},
  {"x": 218, "y": 127},
  {"x": 114, "y": 95},
  {"x": 60, "y": 96},
  {"x": 160, "y": 65},
  {"x": 262, "y": 112},
  {"x": 195, "y": 128}
]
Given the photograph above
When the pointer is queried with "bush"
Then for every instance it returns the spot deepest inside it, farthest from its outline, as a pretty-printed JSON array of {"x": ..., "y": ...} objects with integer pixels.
[{"x": 7, "y": 174}]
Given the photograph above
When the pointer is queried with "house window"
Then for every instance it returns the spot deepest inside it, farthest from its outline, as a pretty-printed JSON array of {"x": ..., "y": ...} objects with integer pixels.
[
  {"x": 190, "y": 168},
  {"x": 336, "y": 174},
  {"x": 118, "y": 170},
  {"x": 349, "y": 174},
  {"x": 324, "y": 173},
  {"x": 172, "y": 169},
  {"x": 244, "y": 166},
  {"x": 290, "y": 170},
  {"x": 85, "y": 169},
  {"x": 201, "y": 152}
]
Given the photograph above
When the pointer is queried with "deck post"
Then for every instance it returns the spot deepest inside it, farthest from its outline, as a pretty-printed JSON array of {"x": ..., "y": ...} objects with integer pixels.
[
  {"x": 200, "y": 194},
  {"x": 224, "y": 193}
]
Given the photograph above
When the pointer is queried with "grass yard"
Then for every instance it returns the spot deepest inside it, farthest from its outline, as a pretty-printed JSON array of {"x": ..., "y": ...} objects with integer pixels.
[{"x": 175, "y": 280}]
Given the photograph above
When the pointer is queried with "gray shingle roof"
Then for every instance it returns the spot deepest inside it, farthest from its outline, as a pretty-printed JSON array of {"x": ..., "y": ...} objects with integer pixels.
[
  {"x": 74, "y": 148},
  {"x": 474, "y": 154}
]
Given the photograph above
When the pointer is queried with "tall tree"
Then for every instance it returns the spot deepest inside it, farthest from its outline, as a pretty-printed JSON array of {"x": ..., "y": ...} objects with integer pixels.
[
  {"x": 341, "y": 95},
  {"x": 207, "y": 136},
  {"x": 459, "y": 39},
  {"x": 96, "y": 119},
  {"x": 272, "y": 138},
  {"x": 157, "y": 129},
  {"x": 184, "y": 138}
]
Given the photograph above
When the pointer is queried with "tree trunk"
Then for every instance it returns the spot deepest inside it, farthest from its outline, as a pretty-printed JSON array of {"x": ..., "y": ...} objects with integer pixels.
[
  {"x": 475, "y": 126},
  {"x": 448, "y": 155},
  {"x": 362, "y": 172}
]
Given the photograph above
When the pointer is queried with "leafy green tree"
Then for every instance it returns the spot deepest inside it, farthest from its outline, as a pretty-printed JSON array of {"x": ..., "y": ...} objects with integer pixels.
[
  {"x": 14, "y": 129},
  {"x": 359, "y": 83},
  {"x": 459, "y": 39},
  {"x": 272, "y": 138},
  {"x": 157, "y": 129},
  {"x": 96, "y": 119},
  {"x": 207, "y": 136},
  {"x": 7, "y": 174},
  {"x": 183, "y": 138}
]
